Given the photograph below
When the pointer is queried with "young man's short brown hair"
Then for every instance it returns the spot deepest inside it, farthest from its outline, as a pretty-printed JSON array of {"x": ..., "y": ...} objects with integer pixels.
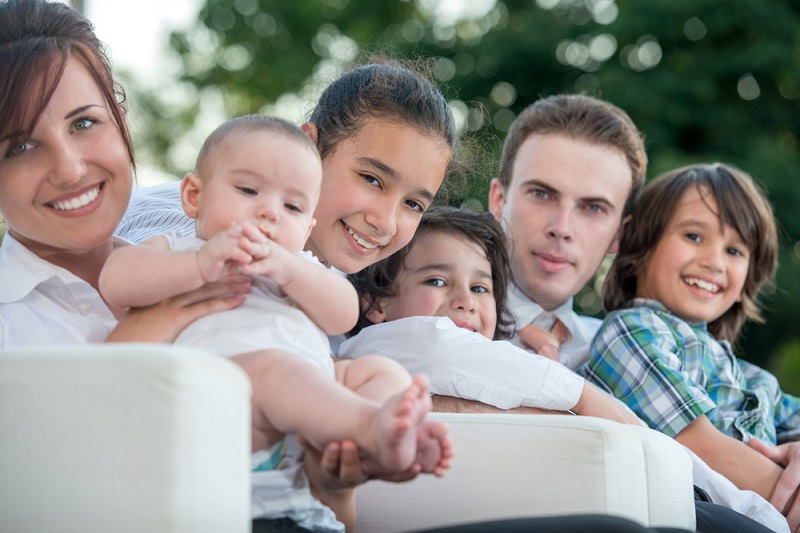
[{"x": 580, "y": 117}]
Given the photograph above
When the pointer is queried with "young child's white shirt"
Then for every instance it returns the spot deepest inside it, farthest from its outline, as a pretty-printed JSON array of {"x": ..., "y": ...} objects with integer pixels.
[{"x": 466, "y": 364}]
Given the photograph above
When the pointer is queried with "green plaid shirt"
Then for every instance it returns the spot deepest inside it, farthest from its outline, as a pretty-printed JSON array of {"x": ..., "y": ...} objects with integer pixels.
[{"x": 671, "y": 372}]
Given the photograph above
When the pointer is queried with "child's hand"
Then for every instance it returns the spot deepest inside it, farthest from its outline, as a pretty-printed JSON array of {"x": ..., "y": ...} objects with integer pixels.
[
  {"x": 221, "y": 252},
  {"x": 785, "y": 496},
  {"x": 270, "y": 259}
]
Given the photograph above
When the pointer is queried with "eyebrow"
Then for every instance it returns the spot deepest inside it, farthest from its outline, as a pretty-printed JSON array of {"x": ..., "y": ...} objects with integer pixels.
[
  {"x": 383, "y": 168},
  {"x": 588, "y": 199},
  {"x": 447, "y": 268},
  {"x": 79, "y": 110}
]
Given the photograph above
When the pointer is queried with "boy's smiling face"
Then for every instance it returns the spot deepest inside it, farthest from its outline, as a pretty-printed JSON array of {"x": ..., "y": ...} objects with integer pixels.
[
  {"x": 699, "y": 266},
  {"x": 444, "y": 274}
]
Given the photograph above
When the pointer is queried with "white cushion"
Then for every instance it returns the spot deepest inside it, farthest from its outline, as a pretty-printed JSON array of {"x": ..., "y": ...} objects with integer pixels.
[
  {"x": 509, "y": 465},
  {"x": 123, "y": 438}
]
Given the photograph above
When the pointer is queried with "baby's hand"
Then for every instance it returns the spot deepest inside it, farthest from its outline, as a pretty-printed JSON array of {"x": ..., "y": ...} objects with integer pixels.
[
  {"x": 270, "y": 259},
  {"x": 222, "y": 250}
]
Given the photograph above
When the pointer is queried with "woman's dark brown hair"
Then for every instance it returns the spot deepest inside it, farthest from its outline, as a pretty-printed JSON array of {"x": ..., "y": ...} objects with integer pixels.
[{"x": 36, "y": 39}]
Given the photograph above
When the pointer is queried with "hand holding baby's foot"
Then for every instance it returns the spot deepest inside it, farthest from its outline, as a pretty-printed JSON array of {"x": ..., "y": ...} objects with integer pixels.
[{"x": 396, "y": 425}]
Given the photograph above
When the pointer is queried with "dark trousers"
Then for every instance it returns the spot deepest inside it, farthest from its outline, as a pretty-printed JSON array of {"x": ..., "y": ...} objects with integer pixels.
[{"x": 711, "y": 518}]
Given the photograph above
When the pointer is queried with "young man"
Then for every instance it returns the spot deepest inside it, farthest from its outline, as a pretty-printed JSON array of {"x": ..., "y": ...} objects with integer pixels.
[{"x": 571, "y": 166}]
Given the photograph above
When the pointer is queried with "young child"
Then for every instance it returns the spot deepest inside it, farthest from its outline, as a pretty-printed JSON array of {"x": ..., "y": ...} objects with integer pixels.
[
  {"x": 701, "y": 244},
  {"x": 455, "y": 273},
  {"x": 253, "y": 195}
]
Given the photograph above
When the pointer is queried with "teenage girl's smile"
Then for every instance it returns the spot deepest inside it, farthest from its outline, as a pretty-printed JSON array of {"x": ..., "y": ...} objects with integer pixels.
[
  {"x": 362, "y": 241},
  {"x": 377, "y": 185}
]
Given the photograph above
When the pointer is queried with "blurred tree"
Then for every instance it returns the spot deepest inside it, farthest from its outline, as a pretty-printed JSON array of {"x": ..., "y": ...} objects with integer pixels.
[{"x": 704, "y": 80}]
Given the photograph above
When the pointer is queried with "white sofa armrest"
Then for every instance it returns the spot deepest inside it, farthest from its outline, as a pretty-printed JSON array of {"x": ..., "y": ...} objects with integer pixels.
[
  {"x": 123, "y": 438},
  {"x": 510, "y": 465}
]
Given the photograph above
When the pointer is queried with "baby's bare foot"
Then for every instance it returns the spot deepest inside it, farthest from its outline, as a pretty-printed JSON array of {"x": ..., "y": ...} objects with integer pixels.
[
  {"x": 396, "y": 427},
  {"x": 434, "y": 447}
]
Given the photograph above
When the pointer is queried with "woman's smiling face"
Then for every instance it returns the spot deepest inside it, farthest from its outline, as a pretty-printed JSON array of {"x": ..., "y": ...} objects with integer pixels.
[
  {"x": 66, "y": 187},
  {"x": 375, "y": 187}
]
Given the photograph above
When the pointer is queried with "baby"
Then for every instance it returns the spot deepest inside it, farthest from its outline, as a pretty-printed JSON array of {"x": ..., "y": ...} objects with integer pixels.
[{"x": 253, "y": 194}]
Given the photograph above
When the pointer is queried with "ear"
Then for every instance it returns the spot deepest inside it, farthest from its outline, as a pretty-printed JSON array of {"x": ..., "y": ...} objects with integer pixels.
[
  {"x": 377, "y": 314},
  {"x": 191, "y": 188},
  {"x": 614, "y": 246},
  {"x": 310, "y": 129},
  {"x": 497, "y": 199},
  {"x": 310, "y": 227}
]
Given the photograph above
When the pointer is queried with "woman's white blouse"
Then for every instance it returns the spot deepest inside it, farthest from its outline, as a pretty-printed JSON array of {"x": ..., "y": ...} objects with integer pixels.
[{"x": 41, "y": 303}]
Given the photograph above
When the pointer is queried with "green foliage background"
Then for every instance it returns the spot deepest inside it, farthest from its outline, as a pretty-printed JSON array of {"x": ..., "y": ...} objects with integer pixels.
[{"x": 704, "y": 80}]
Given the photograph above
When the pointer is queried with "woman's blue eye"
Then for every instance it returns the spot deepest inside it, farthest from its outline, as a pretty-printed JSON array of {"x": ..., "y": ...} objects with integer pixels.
[
  {"x": 84, "y": 123},
  {"x": 20, "y": 149}
]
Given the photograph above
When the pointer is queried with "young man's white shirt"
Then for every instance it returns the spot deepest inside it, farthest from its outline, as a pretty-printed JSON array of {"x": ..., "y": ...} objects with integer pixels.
[{"x": 582, "y": 329}]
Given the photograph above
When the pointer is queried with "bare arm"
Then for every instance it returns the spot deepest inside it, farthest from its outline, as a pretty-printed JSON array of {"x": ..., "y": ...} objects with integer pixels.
[
  {"x": 328, "y": 299},
  {"x": 163, "y": 321},
  {"x": 140, "y": 276},
  {"x": 450, "y": 404},
  {"x": 744, "y": 466},
  {"x": 595, "y": 402}
]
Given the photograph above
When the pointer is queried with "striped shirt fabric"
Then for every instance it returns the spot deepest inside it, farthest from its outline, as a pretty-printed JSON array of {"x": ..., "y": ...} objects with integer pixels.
[{"x": 155, "y": 210}]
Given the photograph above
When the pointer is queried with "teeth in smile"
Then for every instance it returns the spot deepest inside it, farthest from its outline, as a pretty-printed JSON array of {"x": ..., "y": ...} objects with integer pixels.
[
  {"x": 361, "y": 241},
  {"x": 705, "y": 285},
  {"x": 82, "y": 200}
]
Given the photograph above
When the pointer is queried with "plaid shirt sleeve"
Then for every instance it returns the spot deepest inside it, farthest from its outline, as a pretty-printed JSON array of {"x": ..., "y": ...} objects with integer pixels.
[
  {"x": 636, "y": 357},
  {"x": 786, "y": 408}
]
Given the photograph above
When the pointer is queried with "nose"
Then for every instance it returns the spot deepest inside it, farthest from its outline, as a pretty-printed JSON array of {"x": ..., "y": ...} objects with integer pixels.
[
  {"x": 68, "y": 165},
  {"x": 712, "y": 258},
  {"x": 382, "y": 216},
  {"x": 559, "y": 224},
  {"x": 463, "y": 299},
  {"x": 268, "y": 208}
]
